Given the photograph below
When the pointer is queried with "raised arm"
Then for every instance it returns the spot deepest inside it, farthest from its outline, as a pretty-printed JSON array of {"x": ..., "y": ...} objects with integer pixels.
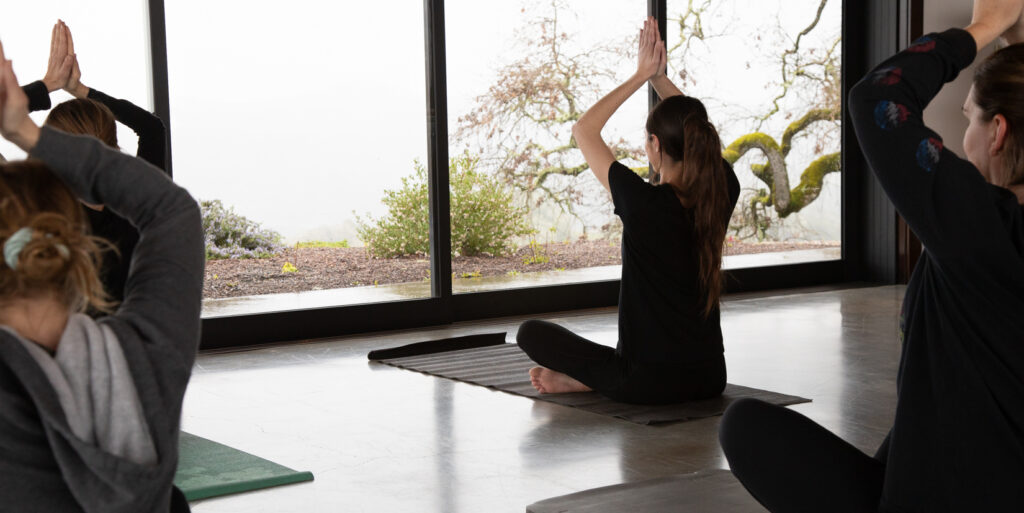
[
  {"x": 147, "y": 126},
  {"x": 992, "y": 19},
  {"x": 943, "y": 198},
  {"x": 587, "y": 131},
  {"x": 150, "y": 129},
  {"x": 164, "y": 290},
  {"x": 1015, "y": 34}
]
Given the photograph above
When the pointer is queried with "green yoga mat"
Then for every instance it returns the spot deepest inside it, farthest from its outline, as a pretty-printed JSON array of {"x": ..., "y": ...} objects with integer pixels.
[{"x": 209, "y": 469}]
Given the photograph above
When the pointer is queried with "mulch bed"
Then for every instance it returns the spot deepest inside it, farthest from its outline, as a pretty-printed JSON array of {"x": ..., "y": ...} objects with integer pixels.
[{"x": 332, "y": 268}]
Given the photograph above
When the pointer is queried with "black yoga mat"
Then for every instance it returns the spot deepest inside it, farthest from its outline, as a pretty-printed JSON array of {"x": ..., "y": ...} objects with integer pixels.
[
  {"x": 505, "y": 367},
  {"x": 439, "y": 346},
  {"x": 707, "y": 491}
]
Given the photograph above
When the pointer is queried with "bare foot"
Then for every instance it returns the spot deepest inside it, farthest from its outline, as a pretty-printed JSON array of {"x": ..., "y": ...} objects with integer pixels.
[{"x": 547, "y": 381}]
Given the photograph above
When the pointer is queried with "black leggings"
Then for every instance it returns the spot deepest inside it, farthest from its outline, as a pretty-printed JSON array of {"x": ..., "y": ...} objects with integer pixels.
[
  {"x": 602, "y": 369},
  {"x": 791, "y": 464}
]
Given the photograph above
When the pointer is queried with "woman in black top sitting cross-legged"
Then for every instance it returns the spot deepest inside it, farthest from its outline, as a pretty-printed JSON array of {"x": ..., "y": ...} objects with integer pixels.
[
  {"x": 670, "y": 340},
  {"x": 94, "y": 113},
  {"x": 957, "y": 441}
]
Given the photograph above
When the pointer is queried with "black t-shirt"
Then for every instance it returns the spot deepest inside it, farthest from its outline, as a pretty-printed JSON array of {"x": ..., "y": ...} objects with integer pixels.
[
  {"x": 661, "y": 317},
  {"x": 957, "y": 443}
]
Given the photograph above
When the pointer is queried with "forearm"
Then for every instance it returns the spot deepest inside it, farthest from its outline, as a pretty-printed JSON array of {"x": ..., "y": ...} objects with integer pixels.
[
  {"x": 664, "y": 87},
  {"x": 594, "y": 119},
  {"x": 26, "y": 136},
  {"x": 983, "y": 33},
  {"x": 1014, "y": 35},
  {"x": 81, "y": 91},
  {"x": 150, "y": 129}
]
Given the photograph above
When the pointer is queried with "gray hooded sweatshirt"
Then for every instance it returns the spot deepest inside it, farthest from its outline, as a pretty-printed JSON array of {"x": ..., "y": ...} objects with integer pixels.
[{"x": 122, "y": 455}]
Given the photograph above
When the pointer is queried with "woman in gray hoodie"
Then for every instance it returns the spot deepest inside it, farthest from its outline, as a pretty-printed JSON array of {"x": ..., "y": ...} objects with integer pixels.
[{"x": 91, "y": 408}]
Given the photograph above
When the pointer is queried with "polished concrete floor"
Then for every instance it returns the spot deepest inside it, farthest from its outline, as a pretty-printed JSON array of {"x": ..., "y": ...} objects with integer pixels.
[{"x": 382, "y": 439}]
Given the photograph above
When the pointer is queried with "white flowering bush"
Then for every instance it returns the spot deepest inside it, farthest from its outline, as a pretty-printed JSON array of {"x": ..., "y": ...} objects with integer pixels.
[
  {"x": 484, "y": 220},
  {"x": 230, "y": 235}
]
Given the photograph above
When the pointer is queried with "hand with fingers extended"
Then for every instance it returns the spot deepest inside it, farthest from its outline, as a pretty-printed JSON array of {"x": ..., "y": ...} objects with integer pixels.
[
  {"x": 662, "y": 53},
  {"x": 15, "y": 125},
  {"x": 651, "y": 51},
  {"x": 74, "y": 84},
  {"x": 58, "y": 69},
  {"x": 992, "y": 18}
]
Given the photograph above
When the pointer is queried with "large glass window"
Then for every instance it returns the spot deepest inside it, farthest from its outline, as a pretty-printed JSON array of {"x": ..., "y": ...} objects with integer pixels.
[
  {"x": 308, "y": 119},
  {"x": 526, "y": 209},
  {"x": 769, "y": 72},
  {"x": 112, "y": 43}
]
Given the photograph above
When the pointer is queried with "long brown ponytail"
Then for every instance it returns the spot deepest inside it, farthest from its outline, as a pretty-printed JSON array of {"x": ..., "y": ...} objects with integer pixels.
[{"x": 686, "y": 135}]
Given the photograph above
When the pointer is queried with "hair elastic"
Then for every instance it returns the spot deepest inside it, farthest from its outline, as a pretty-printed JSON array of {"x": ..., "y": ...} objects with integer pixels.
[{"x": 17, "y": 242}]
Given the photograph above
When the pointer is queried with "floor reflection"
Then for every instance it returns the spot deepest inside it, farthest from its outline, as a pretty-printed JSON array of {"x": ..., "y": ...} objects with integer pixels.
[{"x": 378, "y": 438}]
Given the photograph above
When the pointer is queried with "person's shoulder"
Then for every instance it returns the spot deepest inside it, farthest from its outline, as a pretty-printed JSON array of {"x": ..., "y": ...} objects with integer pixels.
[
  {"x": 621, "y": 175},
  {"x": 619, "y": 168}
]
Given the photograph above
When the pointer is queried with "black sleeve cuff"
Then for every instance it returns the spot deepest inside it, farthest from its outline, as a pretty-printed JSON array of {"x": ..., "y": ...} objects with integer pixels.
[
  {"x": 962, "y": 45},
  {"x": 38, "y": 96},
  {"x": 97, "y": 95}
]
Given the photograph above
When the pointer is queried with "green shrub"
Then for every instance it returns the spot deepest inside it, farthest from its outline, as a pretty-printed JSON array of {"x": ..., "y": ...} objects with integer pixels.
[
  {"x": 484, "y": 220},
  {"x": 229, "y": 235}
]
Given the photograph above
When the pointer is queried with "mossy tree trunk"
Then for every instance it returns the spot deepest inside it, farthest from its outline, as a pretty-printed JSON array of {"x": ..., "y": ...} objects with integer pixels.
[{"x": 775, "y": 173}]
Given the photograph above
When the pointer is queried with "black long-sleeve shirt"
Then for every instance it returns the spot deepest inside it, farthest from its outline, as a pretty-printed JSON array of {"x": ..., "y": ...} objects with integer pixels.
[
  {"x": 152, "y": 148},
  {"x": 957, "y": 443}
]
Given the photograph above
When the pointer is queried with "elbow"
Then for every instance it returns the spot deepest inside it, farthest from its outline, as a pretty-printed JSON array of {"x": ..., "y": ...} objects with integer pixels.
[
  {"x": 865, "y": 94},
  {"x": 859, "y": 101},
  {"x": 581, "y": 129}
]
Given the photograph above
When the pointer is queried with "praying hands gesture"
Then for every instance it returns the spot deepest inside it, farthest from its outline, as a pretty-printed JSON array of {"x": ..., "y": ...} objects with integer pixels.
[
  {"x": 652, "y": 49},
  {"x": 62, "y": 71},
  {"x": 15, "y": 125},
  {"x": 58, "y": 69},
  {"x": 651, "y": 59}
]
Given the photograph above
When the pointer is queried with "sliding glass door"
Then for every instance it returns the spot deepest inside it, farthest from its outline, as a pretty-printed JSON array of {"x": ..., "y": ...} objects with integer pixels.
[{"x": 300, "y": 128}]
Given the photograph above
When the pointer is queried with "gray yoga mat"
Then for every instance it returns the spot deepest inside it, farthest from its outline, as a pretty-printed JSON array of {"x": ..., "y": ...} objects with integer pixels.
[
  {"x": 505, "y": 367},
  {"x": 707, "y": 491}
]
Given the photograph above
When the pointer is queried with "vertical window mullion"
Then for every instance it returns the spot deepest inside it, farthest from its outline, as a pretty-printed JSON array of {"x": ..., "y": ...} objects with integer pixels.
[
  {"x": 658, "y": 9},
  {"x": 158, "y": 71},
  {"x": 437, "y": 150}
]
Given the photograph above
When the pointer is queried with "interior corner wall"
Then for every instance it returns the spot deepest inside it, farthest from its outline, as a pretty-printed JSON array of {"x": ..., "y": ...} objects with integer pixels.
[{"x": 944, "y": 113}]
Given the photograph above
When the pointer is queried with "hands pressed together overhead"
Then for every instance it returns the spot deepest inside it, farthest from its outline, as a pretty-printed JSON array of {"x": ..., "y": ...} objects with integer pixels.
[
  {"x": 62, "y": 70},
  {"x": 651, "y": 57}
]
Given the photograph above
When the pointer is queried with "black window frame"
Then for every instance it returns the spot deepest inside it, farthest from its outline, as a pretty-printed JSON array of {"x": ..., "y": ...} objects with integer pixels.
[{"x": 872, "y": 30}]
